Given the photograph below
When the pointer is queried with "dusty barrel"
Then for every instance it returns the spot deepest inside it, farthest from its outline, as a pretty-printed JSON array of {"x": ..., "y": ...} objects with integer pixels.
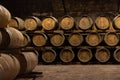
[
  {"x": 85, "y": 22},
  {"x": 5, "y": 69},
  {"x": 84, "y": 55},
  {"x": 102, "y": 22},
  {"x": 111, "y": 38},
  {"x": 5, "y": 17},
  {"x": 102, "y": 55},
  {"x": 57, "y": 39},
  {"x": 116, "y": 55},
  {"x": 75, "y": 39},
  {"x": 17, "y": 23},
  {"x": 13, "y": 63},
  {"x": 15, "y": 38},
  {"x": 39, "y": 39},
  {"x": 93, "y": 39},
  {"x": 66, "y": 55},
  {"x": 28, "y": 61},
  {"x": 11, "y": 66},
  {"x": 67, "y": 23},
  {"x": 26, "y": 41},
  {"x": 49, "y": 23},
  {"x": 32, "y": 23},
  {"x": 49, "y": 55},
  {"x": 116, "y": 22}
]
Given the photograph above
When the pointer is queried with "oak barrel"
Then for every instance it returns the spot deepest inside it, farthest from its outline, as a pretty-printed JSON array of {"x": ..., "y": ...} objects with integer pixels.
[
  {"x": 84, "y": 55},
  {"x": 39, "y": 39},
  {"x": 116, "y": 55},
  {"x": 32, "y": 23},
  {"x": 49, "y": 55},
  {"x": 26, "y": 41},
  {"x": 102, "y": 22},
  {"x": 111, "y": 38},
  {"x": 66, "y": 55},
  {"x": 11, "y": 66},
  {"x": 102, "y": 55},
  {"x": 49, "y": 23},
  {"x": 17, "y": 23},
  {"x": 116, "y": 22},
  {"x": 75, "y": 39},
  {"x": 28, "y": 61},
  {"x": 15, "y": 37},
  {"x": 14, "y": 65},
  {"x": 85, "y": 22},
  {"x": 67, "y": 23},
  {"x": 57, "y": 39},
  {"x": 93, "y": 39},
  {"x": 5, "y": 17},
  {"x": 5, "y": 69}
]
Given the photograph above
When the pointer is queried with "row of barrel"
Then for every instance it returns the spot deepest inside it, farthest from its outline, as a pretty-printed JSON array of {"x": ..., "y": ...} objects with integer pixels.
[
  {"x": 73, "y": 39},
  {"x": 65, "y": 23},
  {"x": 84, "y": 55},
  {"x": 12, "y": 65}
]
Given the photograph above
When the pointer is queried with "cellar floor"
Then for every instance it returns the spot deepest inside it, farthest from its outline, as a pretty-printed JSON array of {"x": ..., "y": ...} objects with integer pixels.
[{"x": 74, "y": 72}]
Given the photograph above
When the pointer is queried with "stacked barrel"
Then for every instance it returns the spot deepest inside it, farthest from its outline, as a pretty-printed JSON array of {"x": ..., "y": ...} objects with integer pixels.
[
  {"x": 67, "y": 39},
  {"x": 14, "y": 61},
  {"x": 84, "y": 38}
]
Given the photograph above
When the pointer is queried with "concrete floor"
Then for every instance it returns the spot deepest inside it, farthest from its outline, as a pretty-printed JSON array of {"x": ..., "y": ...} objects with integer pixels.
[{"x": 76, "y": 72}]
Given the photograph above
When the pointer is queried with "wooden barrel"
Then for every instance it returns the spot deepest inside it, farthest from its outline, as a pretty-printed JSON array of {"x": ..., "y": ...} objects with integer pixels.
[
  {"x": 10, "y": 66},
  {"x": 84, "y": 55},
  {"x": 85, "y": 22},
  {"x": 28, "y": 61},
  {"x": 102, "y": 22},
  {"x": 5, "y": 69},
  {"x": 5, "y": 17},
  {"x": 75, "y": 39},
  {"x": 116, "y": 22},
  {"x": 32, "y": 23},
  {"x": 26, "y": 41},
  {"x": 15, "y": 37},
  {"x": 57, "y": 39},
  {"x": 116, "y": 55},
  {"x": 49, "y": 55},
  {"x": 17, "y": 23},
  {"x": 49, "y": 23},
  {"x": 66, "y": 55},
  {"x": 67, "y": 23},
  {"x": 111, "y": 38},
  {"x": 102, "y": 55},
  {"x": 40, "y": 39},
  {"x": 93, "y": 39},
  {"x": 14, "y": 65}
]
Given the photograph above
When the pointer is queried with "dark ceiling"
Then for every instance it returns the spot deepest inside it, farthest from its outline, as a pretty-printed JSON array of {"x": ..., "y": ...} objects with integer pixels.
[{"x": 23, "y": 8}]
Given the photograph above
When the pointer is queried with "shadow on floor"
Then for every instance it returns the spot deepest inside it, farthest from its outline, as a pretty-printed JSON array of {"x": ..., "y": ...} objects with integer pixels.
[{"x": 32, "y": 75}]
